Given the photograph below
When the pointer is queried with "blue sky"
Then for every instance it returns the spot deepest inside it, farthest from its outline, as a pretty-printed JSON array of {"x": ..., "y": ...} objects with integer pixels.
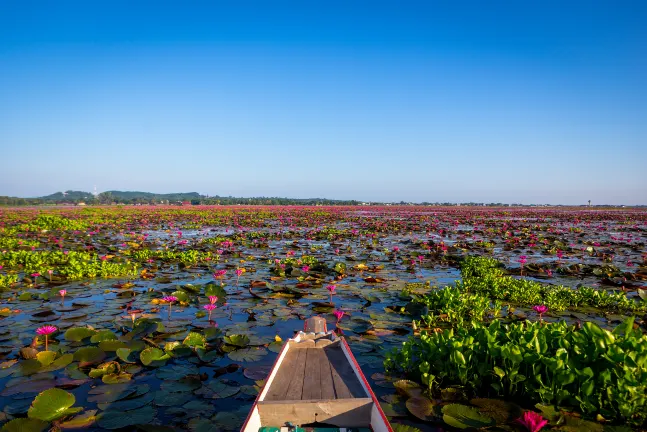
[{"x": 531, "y": 102}]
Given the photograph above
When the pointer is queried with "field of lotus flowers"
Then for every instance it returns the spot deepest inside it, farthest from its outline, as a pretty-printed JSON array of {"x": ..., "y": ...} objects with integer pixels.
[{"x": 169, "y": 318}]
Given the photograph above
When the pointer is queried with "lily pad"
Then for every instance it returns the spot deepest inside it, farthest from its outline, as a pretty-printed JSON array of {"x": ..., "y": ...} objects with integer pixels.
[
  {"x": 25, "y": 425},
  {"x": 247, "y": 354},
  {"x": 464, "y": 417},
  {"x": 238, "y": 340},
  {"x": 89, "y": 355},
  {"x": 52, "y": 404},
  {"x": 119, "y": 419},
  {"x": 77, "y": 334},
  {"x": 153, "y": 357},
  {"x": 422, "y": 408}
]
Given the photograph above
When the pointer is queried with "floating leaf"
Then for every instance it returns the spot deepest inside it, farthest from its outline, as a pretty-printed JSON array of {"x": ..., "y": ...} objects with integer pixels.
[
  {"x": 218, "y": 390},
  {"x": 421, "y": 407},
  {"x": 128, "y": 404},
  {"x": 247, "y": 355},
  {"x": 203, "y": 425},
  {"x": 46, "y": 358},
  {"x": 238, "y": 340},
  {"x": 153, "y": 357},
  {"x": 127, "y": 355},
  {"x": 111, "y": 393},
  {"x": 408, "y": 388},
  {"x": 195, "y": 340},
  {"x": 464, "y": 417},
  {"x": 52, "y": 404},
  {"x": 102, "y": 335},
  {"x": 25, "y": 425},
  {"x": 120, "y": 419},
  {"x": 89, "y": 355},
  {"x": 112, "y": 345},
  {"x": 227, "y": 421},
  {"x": 81, "y": 421},
  {"x": 500, "y": 411},
  {"x": 77, "y": 334},
  {"x": 257, "y": 372}
]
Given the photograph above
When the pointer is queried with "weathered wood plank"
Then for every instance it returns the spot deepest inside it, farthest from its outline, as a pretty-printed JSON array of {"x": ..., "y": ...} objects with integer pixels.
[
  {"x": 327, "y": 385},
  {"x": 346, "y": 383},
  {"x": 295, "y": 389},
  {"x": 279, "y": 386},
  {"x": 312, "y": 378},
  {"x": 342, "y": 413}
]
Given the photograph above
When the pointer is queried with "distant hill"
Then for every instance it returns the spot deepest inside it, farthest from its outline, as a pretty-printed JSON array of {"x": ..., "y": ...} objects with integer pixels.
[
  {"x": 121, "y": 196},
  {"x": 131, "y": 195},
  {"x": 68, "y": 196}
]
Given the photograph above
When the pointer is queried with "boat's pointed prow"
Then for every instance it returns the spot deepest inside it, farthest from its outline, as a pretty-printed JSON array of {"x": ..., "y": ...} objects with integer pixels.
[{"x": 316, "y": 380}]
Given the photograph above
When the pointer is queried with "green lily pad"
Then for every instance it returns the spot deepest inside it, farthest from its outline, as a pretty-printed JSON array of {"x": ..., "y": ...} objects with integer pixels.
[
  {"x": 176, "y": 372},
  {"x": 186, "y": 384},
  {"x": 128, "y": 404},
  {"x": 112, "y": 345},
  {"x": 238, "y": 340},
  {"x": 153, "y": 357},
  {"x": 127, "y": 355},
  {"x": 228, "y": 421},
  {"x": 408, "y": 388},
  {"x": 81, "y": 421},
  {"x": 195, "y": 340},
  {"x": 89, "y": 355},
  {"x": 52, "y": 404},
  {"x": 111, "y": 393},
  {"x": 218, "y": 390},
  {"x": 46, "y": 358},
  {"x": 102, "y": 336},
  {"x": 422, "y": 408},
  {"x": 116, "y": 378},
  {"x": 247, "y": 354},
  {"x": 77, "y": 334},
  {"x": 119, "y": 419},
  {"x": 202, "y": 425},
  {"x": 25, "y": 425},
  {"x": 464, "y": 417},
  {"x": 500, "y": 411},
  {"x": 165, "y": 398}
]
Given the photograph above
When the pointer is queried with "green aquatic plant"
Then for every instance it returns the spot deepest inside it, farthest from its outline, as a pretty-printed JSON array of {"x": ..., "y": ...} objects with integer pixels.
[{"x": 589, "y": 368}]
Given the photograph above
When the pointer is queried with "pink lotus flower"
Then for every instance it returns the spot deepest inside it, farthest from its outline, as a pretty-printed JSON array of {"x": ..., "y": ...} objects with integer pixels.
[
  {"x": 210, "y": 308},
  {"x": 239, "y": 272},
  {"x": 219, "y": 273},
  {"x": 46, "y": 331},
  {"x": 331, "y": 290},
  {"x": 305, "y": 268},
  {"x": 170, "y": 300},
  {"x": 532, "y": 421},
  {"x": 338, "y": 314},
  {"x": 540, "y": 309},
  {"x": 213, "y": 299},
  {"x": 62, "y": 294}
]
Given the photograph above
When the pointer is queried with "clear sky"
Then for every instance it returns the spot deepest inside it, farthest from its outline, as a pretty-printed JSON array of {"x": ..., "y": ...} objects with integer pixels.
[{"x": 504, "y": 101}]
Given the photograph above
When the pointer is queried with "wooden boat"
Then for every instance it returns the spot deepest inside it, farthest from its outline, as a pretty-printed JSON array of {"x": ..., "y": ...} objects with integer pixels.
[{"x": 316, "y": 384}]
